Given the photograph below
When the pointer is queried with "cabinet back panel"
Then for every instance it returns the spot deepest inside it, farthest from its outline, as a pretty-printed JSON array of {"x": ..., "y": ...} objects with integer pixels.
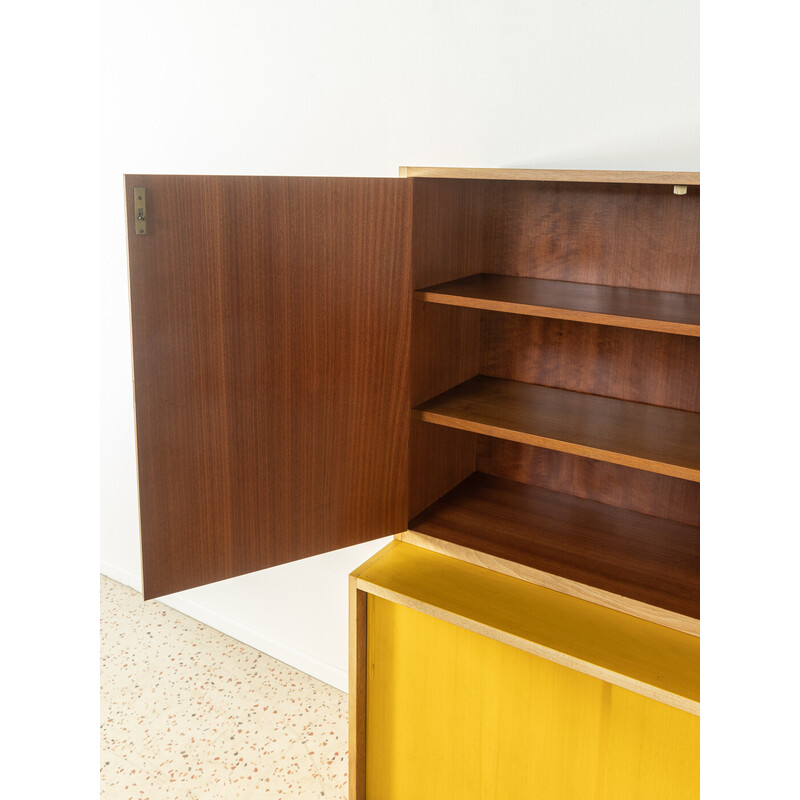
[
  {"x": 643, "y": 366},
  {"x": 633, "y": 235},
  {"x": 271, "y": 321},
  {"x": 624, "y": 487}
]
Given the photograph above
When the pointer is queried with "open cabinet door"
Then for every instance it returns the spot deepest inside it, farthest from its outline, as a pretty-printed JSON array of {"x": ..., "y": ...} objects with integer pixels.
[{"x": 270, "y": 325}]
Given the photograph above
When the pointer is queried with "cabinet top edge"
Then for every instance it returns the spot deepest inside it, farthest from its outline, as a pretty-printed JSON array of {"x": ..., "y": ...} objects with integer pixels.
[{"x": 573, "y": 175}]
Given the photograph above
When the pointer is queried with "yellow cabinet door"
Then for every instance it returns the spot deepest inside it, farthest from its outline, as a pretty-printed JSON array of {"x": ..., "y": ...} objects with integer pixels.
[{"x": 454, "y": 714}]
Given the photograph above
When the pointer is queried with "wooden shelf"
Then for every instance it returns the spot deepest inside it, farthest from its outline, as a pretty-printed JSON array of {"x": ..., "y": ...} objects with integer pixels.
[
  {"x": 650, "y": 560},
  {"x": 666, "y": 312},
  {"x": 635, "y": 654},
  {"x": 661, "y": 440}
]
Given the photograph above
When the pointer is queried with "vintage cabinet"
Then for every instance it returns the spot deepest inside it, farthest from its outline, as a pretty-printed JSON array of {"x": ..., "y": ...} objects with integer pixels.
[{"x": 500, "y": 367}]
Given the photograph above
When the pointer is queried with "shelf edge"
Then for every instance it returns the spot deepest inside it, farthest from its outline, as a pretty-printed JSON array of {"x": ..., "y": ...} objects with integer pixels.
[
  {"x": 551, "y": 312},
  {"x": 528, "y": 646}
]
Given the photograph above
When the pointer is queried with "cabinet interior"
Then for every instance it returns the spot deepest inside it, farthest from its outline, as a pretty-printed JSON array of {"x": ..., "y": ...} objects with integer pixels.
[{"x": 554, "y": 383}]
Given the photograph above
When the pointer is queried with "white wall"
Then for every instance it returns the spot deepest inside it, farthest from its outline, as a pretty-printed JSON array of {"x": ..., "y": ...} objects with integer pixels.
[{"x": 359, "y": 87}]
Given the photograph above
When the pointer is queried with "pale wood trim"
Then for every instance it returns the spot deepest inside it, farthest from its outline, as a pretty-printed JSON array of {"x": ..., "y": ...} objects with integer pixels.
[
  {"x": 574, "y": 175},
  {"x": 557, "y": 657},
  {"x": 357, "y": 682},
  {"x": 357, "y": 697},
  {"x": 617, "y": 602}
]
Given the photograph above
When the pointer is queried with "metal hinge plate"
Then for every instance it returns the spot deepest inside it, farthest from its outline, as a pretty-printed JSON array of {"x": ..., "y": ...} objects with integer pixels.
[{"x": 139, "y": 209}]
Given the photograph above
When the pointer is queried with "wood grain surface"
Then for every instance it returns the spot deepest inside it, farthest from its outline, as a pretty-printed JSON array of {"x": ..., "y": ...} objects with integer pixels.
[
  {"x": 643, "y": 366},
  {"x": 447, "y": 242},
  {"x": 655, "y": 439},
  {"x": 572, "y": 175},
  {"x": 652, "y": 560},
  {"x": 668, "y": 312},
  {"x": 626, "y": 235},
  {"x": 612, "y": 484},
  {"x": 271, "y": 326},
  {"x": 439, "y": 458}
]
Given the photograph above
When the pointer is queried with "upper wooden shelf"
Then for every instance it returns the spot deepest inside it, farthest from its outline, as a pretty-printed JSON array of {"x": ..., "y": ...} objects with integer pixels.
[
  {"x": 666, "y": 312},
  {"x": 652, "y": 438},
  {"x": 574, "y": 175}
]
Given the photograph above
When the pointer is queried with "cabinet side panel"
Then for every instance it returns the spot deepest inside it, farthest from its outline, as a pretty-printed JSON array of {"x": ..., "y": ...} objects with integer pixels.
[
  {"x": 449, "y": 228},
  {"x": 270, "y": 321}
]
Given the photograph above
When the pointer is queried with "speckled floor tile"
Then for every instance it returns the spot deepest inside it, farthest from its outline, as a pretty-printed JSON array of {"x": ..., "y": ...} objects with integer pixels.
[{"x": 187, "y": 712}]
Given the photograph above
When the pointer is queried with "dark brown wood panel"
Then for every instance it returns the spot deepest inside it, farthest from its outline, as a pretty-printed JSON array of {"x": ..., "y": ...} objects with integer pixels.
[
  {"x": 271, "y": 324},
  {"x": 651, "y": 560},
  {"x": 668, "y": 312},
  {"x": 632, "y": 235},
  {"x": 439, "y": 459},
  {"x": 449, "y": 224},
  {"x": 662, "y": 440},
  {"x": 646, "y": 367},
  {"x": 445, "y": 349},
  {"x": 452, "y": 220},
  {"x": 612, "y": 484}
]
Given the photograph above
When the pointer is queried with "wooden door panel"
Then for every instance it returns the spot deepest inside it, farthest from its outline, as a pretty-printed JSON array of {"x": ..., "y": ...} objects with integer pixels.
[{"x": 270, "y": 327}]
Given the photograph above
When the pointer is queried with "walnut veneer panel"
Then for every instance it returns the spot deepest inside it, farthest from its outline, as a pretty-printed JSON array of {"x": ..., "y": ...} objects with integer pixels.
[
  {"x": 449, "y": 222},
  {"x": 629, "y": 235},
  {"x": 271, "y": 322},
  {"x": 439, "y": 458},
  {"x": 643, "y": 366},
  {"x": 637, "y": 490}
]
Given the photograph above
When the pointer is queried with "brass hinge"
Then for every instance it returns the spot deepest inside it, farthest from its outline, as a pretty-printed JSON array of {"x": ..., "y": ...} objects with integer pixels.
[{"x": 139, "y": 209}]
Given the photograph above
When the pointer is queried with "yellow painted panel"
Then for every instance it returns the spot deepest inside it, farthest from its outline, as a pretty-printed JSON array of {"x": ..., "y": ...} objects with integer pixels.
[
  {"x": 453, "y": 714},
  {"x": 653, "y": 750},
  {"x": 609, "y": 644}
]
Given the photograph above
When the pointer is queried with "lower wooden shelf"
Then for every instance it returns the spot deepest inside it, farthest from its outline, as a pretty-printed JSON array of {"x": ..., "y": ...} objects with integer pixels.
[{"x": 627, "y": 554}]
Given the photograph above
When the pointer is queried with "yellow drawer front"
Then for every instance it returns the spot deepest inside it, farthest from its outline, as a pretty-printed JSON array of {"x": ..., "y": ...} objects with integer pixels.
[{"x": 453, "y": 714}]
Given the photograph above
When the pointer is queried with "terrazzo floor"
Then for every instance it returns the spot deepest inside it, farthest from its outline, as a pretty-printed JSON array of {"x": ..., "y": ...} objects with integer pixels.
[{"x": 188, "y": 712}]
